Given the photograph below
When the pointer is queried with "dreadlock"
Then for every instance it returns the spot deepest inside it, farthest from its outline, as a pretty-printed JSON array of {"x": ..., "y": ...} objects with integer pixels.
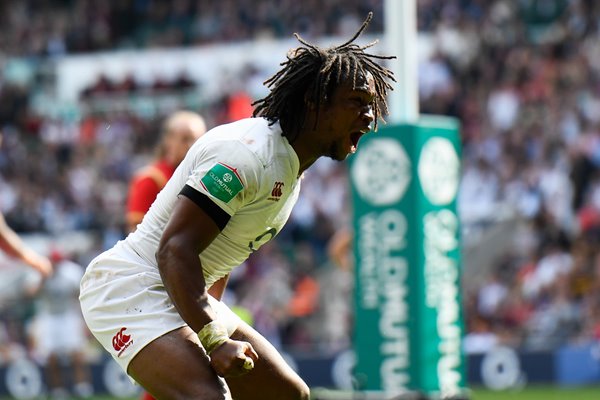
[{"x": 312, "y": 74}]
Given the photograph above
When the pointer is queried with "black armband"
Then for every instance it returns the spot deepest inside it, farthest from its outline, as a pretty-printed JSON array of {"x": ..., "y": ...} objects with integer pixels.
[{"x": 204, "y": 202}]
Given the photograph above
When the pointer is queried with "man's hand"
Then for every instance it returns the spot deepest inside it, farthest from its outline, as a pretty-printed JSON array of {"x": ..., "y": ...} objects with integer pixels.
[{"x": 233, "y": 358}]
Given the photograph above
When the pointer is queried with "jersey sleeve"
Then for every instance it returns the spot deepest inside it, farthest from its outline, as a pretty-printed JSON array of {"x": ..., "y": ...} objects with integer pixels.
[{"x": 228, "y": 173}]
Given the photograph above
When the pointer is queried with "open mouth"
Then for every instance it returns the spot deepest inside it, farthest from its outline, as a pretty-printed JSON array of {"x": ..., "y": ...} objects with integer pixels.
[{"x": 354, "y": 138}]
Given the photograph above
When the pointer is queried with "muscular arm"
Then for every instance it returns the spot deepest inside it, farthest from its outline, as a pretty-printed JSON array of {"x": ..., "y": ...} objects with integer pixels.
[{"x": 189, "y": 231}]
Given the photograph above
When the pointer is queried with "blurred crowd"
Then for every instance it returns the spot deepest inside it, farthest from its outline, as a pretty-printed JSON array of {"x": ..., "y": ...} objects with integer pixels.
[
  {"x": 522, "y": 78},
  {"x": 57, "y": 27}
]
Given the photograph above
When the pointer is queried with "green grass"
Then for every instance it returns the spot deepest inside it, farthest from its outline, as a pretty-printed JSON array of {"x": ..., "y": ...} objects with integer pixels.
[
  {"x": 539, "y": 393},
  {"x": 528, "y": 393}
]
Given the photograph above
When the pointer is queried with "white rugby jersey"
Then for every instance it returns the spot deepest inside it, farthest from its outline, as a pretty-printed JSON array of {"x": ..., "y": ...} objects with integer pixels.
[{"x": 251, "y": 172}]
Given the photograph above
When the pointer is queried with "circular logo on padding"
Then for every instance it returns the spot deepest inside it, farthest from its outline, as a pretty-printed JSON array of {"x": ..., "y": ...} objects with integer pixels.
[
  {"x": 439, "y": 171},
  {"x": 381, "y": 172}
]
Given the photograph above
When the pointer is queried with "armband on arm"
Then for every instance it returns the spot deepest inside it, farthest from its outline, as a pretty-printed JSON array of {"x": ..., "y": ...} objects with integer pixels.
[{"x": 212, "y": 335}]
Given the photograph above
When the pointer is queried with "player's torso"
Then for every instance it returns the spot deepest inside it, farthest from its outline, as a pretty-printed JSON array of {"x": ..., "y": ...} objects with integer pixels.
[
  {"x": 261, "y": 208},
  {"x": 253, "y": 225}
]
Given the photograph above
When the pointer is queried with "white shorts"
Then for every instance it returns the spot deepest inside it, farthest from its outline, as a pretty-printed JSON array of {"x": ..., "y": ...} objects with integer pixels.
[{"x": 126, "y": 306}]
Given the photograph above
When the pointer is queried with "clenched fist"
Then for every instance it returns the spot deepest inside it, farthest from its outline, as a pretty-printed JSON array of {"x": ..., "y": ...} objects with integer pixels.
[{"x": 233, "y": 358}]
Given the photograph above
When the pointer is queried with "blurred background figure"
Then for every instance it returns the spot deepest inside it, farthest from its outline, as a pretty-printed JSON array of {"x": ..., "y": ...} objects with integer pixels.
[
  {"x": 17, "y": 287},
  {"x": 58, "y": 334},
  {"x": 14, "y": 247},
  {"x": 180, "y": 130}
]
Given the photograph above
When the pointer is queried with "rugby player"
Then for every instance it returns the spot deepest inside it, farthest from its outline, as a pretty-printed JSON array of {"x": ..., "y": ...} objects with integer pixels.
[{"x": 147, "y": 299}]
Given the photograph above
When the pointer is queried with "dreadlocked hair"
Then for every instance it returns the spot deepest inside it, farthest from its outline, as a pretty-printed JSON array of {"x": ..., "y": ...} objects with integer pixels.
[{"x": 311, "y": 75}]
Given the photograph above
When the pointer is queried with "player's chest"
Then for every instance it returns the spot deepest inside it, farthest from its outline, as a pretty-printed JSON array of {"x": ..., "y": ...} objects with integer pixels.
[{"x": 264, "y": 218}]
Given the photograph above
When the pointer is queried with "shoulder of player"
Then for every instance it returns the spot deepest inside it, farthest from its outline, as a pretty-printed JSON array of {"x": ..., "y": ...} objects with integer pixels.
[{"x": 248, "y": 139}]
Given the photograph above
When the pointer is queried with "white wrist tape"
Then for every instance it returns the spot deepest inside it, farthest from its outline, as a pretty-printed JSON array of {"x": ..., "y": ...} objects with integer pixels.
[{"x": 212, "y": 335}]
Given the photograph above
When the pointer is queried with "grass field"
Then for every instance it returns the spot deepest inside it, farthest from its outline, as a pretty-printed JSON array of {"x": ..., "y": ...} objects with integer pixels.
[
  {"x": 539, "y": 393},
  {"x": 529, "y": 393}
]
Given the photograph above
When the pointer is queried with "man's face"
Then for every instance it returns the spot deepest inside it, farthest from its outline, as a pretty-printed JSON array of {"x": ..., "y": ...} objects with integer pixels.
[
  {"x": 347, "y": 117},
  {"x": 181, "y": 138}
]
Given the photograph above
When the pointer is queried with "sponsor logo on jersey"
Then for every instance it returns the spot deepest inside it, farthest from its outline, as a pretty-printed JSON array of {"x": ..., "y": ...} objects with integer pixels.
[
  {"x": 222, "y": 182},
  {"x": 277, "y": 191},
  {"x": 121, "y": 341}
]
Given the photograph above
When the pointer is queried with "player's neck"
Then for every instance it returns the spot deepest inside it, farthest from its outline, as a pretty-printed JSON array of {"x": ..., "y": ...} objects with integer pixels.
[{"x": 305, "y": 152}]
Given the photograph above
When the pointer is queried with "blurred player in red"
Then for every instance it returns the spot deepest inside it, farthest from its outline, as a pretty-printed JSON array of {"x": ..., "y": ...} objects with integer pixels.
[{"x": 179, "y": 132}]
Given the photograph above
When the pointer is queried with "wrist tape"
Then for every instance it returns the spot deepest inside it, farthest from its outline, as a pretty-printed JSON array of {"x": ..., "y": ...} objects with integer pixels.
[{"x": 212, "y": 335}]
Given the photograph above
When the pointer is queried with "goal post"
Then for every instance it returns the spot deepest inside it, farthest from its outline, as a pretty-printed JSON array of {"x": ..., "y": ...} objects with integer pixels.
[{"x": 408, "y": 326}]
